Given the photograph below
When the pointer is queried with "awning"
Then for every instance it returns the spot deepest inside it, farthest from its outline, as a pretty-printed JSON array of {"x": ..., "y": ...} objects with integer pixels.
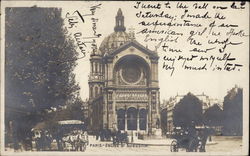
[
  {"x": 39, "y": 126},
  {"x": 70, "y": 122}
]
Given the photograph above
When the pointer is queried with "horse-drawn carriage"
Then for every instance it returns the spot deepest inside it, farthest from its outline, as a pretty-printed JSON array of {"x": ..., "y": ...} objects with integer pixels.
[
  {"x": 75, "y": 137},
  {"x": 70, "y": 135},
  {"x": 117, "y": 137},
  {"x": 120, "y": 138},
  {"x": 192, "y": 139},
  {"x": 104, "y": 134}
]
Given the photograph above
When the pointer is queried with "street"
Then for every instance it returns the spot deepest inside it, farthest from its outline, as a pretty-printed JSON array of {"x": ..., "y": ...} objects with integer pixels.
[
  {"x": 218, "y": 144},
  {"x": 221, "y": 144}
]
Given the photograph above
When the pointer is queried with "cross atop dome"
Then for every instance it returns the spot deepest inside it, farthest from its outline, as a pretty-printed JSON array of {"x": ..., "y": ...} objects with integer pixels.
[{"x": 119, "y": 21}]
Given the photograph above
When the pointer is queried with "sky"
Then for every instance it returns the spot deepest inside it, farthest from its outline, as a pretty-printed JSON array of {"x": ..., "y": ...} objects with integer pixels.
[{"x": 212, "y": 83}]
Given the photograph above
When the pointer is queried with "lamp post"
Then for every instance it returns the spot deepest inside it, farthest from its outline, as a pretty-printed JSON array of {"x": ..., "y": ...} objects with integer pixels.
[{"x": 132, "y": 138}]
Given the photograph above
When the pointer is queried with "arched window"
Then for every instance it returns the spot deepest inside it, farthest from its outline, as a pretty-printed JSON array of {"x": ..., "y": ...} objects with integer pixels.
[
  {"x": 121, "y": 119},
  {"x": 96, "y": 91},
  {"x": 96, "y": 66},
  {"x": 100, "y": 90},
  {"x": 143, "y": 119},
  {"x": 91, "y": 92}
]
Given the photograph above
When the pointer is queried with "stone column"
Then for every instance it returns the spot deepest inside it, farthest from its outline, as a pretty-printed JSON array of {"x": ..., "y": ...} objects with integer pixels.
[
  {"x": 114, "y": 115},
  {"x": 105, "y": 113},
  {"x": 126, "y": 120},
  {"x": 156, "y": 72},
  {"x": 109, "y": 72},
  {"x": 147, "y": 121},
  {"x": 153, "y": 71},
  {"x": 138, "y": 128},
  {"x": 92, "y": 70},
  {"x": 106, "y": 73},
  {"x": 149, "y": 114},
  {"x": 157, "y": 104}
]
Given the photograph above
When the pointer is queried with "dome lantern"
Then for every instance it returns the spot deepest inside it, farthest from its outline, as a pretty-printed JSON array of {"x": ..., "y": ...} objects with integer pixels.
[
  {"x": 119, "y": 20},
  {"x": 117, "y": 38}
]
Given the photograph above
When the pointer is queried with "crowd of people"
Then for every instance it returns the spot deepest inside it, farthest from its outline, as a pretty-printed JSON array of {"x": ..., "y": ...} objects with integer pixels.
[{"x": 43, "y": 140}]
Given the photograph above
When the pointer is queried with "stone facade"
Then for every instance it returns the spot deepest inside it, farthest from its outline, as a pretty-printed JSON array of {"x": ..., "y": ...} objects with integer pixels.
[{"x": 123, "y": 84}]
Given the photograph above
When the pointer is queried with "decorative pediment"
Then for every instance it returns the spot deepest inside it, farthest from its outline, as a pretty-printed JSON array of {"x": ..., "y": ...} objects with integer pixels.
[{"x": 137, "y": 45}]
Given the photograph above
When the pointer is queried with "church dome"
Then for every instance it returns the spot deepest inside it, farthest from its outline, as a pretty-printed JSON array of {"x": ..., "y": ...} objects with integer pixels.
[
  {"x": 114, "y": 41},
  {"x": 117, "y": 38}
]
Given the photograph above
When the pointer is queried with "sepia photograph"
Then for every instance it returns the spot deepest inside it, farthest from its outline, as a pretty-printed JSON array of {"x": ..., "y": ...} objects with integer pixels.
[{"x": 124, "y": 78}]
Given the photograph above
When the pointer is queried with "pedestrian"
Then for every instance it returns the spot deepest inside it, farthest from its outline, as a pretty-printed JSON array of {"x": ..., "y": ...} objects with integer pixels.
[
  {"x": 97, "y": 134},
  {"x": 43, "y": 140}
]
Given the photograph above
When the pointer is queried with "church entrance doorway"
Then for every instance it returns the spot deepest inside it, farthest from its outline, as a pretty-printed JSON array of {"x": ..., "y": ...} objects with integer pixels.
[{"x": 132, "y": 118}]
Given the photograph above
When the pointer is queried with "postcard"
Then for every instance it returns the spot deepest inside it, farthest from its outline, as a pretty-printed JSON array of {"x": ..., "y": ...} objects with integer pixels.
[{"x": 124, "y": 78}]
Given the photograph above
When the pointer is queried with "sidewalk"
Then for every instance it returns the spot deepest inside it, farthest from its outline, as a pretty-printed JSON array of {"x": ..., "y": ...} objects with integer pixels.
[
  {"x": 148, "y": 142},
  {"x": 161, "y": 142},
  {"x": 153, "y": 142}
]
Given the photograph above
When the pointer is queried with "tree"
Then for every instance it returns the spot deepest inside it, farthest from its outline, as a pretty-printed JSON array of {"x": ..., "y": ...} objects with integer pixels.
[
  {"x": 39, "y": 63},
  {"x": 74, "y": 111},
  {"x": 213, "y": 116},
  {"x": 188, "y": 110},
  {"x": 232, "y": 111}
]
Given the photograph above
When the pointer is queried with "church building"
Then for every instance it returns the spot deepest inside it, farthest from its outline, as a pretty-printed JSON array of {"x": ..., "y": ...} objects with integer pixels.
[{"x": 123, "y": 84}]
